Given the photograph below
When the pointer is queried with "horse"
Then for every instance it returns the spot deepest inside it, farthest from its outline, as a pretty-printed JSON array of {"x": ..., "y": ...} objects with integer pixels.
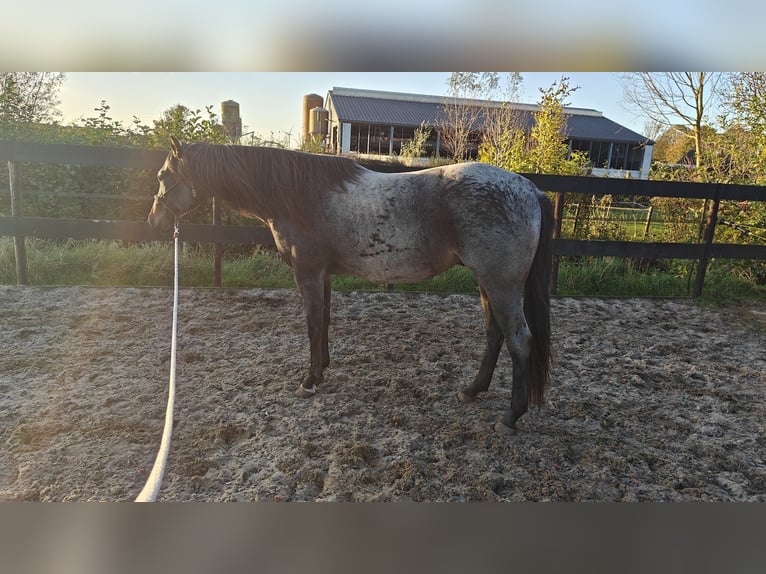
[{"x": 330, "y": 215}]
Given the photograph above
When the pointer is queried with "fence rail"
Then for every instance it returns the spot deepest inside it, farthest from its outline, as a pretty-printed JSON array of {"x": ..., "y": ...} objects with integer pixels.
[{"x": 20, "y": 226}]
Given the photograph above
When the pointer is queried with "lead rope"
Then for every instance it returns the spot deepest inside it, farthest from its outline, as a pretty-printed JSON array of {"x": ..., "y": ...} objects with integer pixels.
[{"x": 152, "y": 486}]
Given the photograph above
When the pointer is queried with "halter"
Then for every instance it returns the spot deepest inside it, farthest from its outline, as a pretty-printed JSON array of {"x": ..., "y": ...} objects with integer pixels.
[{"x": 161, "y": 200}]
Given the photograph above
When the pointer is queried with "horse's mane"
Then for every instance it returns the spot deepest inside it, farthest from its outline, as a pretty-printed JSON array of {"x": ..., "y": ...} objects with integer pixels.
[{"x": 268, "y": 182}]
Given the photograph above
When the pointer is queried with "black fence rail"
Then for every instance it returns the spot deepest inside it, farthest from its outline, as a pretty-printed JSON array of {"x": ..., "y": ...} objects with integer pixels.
[{"x": 19, "y": 226}]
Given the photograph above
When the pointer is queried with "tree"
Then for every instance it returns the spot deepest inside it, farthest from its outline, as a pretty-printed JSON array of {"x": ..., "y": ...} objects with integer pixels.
[
  {"x": 187, "y": 125},
  {"x": 667, "y": 97},
  {"x": 459, "y": 117},
  {"x": 541, "y": 148},
  {"x": 549, "y": 151},
  {"x": 674, "y": 146},
  {"x": 746, "y": 96},
  {"x": 416, "y": 147},
  {"x": 505, "y": 126},
  {"x": 29, "y": 96}
]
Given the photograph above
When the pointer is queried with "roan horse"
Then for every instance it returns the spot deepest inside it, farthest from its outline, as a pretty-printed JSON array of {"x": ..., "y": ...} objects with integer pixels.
[{"x": 330, "y": 215}]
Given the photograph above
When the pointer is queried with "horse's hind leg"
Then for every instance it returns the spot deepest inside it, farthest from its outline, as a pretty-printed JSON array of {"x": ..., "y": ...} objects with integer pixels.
[
  {"x": 491, "y": 352},
  {"x": 506, "y": 308},
  {"x": 518, "y": 339}
]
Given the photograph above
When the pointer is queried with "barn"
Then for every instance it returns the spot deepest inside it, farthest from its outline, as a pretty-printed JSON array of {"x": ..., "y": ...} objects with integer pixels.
[{"x": 350, "y": 120}]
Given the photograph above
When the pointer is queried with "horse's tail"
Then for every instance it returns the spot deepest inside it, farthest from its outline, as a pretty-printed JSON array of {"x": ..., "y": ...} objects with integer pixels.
[{"x": 537, "y": 306}]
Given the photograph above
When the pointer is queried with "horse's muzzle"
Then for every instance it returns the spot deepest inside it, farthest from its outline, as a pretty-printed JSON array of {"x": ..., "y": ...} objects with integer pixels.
[{"x": 160, "y": 218}]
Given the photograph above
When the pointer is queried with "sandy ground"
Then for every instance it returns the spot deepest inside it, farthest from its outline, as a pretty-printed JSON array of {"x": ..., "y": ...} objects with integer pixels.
[{"x": 651, "y": 400}]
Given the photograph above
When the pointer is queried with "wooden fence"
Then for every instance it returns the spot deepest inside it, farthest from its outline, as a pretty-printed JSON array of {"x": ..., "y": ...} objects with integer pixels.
[{"x": 19, "y": 226}]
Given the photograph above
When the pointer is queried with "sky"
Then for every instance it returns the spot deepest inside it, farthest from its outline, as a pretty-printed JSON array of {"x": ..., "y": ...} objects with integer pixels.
[{"x": 270, "y": 102}]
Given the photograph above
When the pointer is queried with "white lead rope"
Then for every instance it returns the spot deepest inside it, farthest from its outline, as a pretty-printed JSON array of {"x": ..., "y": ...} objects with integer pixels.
[{"x": 152, "y": 486}]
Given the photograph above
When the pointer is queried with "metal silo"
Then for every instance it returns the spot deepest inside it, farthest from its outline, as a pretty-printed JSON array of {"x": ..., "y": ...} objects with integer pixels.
[
  {"x": 318, "y": 124},
  {"x": 310, "y": 101}
]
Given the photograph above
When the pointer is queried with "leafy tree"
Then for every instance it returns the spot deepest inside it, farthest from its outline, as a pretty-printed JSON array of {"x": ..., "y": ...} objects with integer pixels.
[
  {"x": 674, "y": 146},
  {"x": 505, "y": 127},
  {"x": 102, "y": 129},
  {"x": 541, "y": 149},
  {"x": 29, "y": 96},
  {"x": 746, "y": 98},
  {"x": 187, "y": 125},
  {"x": 416, "y": 147},
  {"x": 549, "y": 151},
  {"x": 673, "y": 99},
  {"x": 27, "y": 101},
  {"x": 311, "y": 145}
]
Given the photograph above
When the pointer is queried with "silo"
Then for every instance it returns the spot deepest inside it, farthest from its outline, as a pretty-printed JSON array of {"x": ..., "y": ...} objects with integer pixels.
[
  {"x": 318, "y": 123},
  {"x": 310, "y": 101},
  {"x": 232, "y": 123}
]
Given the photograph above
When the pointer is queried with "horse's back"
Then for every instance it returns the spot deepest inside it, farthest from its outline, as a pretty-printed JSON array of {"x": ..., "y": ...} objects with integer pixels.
[
  {"x": 496, "y": 218},
  {"x": 486, "y": 196},
  {"x": 408, "y": 226}
]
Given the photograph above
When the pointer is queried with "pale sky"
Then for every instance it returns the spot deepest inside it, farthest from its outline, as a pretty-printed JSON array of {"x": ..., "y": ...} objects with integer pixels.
[{"x": 270, "y": 102}]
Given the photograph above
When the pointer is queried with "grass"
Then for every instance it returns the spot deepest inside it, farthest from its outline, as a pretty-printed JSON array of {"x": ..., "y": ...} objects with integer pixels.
[
  {"x": 112, "y": 263},
  {"x": 611, "y": 277}
]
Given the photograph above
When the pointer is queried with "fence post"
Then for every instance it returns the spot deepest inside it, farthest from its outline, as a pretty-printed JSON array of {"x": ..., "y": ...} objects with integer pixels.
[
  {"x": 648, "y": 222},
  {"x": 576, "y": 224},
  {"x": 20, "y": 250},
  {"x": 217, "y": 247},
  {"x": 712, "y": 218},
  {"x": 558, "y": 214}
]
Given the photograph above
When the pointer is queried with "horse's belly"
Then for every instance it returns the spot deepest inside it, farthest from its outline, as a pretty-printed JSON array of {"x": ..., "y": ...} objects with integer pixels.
[{"x": 405, "y": 265}]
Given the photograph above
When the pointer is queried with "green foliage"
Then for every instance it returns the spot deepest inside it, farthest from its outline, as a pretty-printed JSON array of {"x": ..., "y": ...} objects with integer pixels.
[
  {"x": 187, "y": 125},
  {"x": 69, "y": 262},
  {"x": 52, "y": 190},
  {"x": 680, "y": 218},
  {"x": 734, "y": 154},
  {"x": 592, "y": 218},
  {"x": 103, "y": 130},
  {"x": 416, "y": 147},
  {"x": 60, "y": 190},
  {"x": 28, "y": 97},
  {"x": 611, "y": 276},
  {"x": 616, "y": 277},
  {"x": 747, "y": 99},
  {"x": 310, "y": 145},
  {"x": 544, "y": 148},
  {"x": 113, "y": 263}
]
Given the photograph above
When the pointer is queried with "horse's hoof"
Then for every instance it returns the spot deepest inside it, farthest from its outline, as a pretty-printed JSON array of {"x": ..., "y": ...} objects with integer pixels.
[
  {"x": 304, "y": 393},
  {"x": 502, "y": 428},
  {"x": 464, "y": 398}
]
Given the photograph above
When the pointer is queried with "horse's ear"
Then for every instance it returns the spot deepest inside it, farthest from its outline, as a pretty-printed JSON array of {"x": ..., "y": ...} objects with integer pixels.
[{"x": 175, "y": 146}]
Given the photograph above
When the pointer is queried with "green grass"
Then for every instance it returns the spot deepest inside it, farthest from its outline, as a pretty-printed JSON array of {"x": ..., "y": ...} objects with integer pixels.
[
  {"x": 112, "y": 263},
  {"x": 611, "y": 276},
  {"x": 88, "y": 263}
]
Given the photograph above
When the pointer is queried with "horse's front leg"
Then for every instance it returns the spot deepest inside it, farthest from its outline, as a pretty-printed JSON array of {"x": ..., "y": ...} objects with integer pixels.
[{"x": 316, "y": 300}]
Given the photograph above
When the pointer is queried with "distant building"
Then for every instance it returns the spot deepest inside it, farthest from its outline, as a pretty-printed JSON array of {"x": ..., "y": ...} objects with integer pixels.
[{"x": 376, "y": 122}]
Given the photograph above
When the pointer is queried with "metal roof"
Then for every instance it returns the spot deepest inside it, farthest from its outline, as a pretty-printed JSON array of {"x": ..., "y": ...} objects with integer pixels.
[
  {"x": 397, "y": 109},
  {"x": 601, "y": 128}
]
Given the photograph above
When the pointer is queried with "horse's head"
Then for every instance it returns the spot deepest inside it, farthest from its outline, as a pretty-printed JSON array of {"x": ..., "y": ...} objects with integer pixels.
[{"x": 176, "y": 196}]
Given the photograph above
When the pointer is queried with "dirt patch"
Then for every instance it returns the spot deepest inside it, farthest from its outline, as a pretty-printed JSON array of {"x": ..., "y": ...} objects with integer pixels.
[{"x": 651, "y": 400}]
